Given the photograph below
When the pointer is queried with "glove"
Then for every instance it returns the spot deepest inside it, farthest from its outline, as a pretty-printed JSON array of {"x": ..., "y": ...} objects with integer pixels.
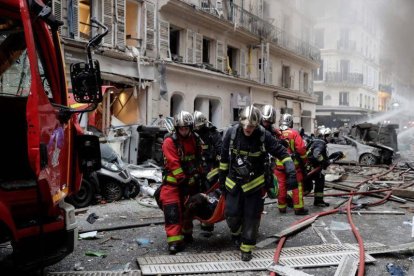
[{"x": 291, "y": 182}]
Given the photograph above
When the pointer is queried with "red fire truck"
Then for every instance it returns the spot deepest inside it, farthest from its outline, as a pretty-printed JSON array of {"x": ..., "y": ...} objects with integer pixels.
[{"x": 43, "y": 151}]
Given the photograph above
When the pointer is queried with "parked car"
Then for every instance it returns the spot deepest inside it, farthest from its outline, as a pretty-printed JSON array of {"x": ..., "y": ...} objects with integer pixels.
[{"x": 360, "y": 153}]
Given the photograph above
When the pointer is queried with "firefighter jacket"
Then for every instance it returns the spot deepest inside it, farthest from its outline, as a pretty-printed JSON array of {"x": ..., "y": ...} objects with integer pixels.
[
  {"x": 243, "y": 157},
  {"x": 181, "y": 159},
  {"x": 211, "y": 145},
  {"x": 317, "y": 154},
  {"x": 296, "y": 147}
]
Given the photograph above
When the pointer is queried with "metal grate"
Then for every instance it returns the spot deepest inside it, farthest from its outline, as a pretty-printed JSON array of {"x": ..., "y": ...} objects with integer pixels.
[
  {"x": 305, "y": 256},
  {"x": 286, "y": 270},
  {"x": 347, "y": 266}
]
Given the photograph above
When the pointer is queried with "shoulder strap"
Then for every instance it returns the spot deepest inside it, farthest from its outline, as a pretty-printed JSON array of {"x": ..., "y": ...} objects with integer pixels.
[{"x": 232, "y": 137}]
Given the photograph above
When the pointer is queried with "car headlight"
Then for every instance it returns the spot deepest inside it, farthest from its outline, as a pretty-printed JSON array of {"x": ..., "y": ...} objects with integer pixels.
[{"x": 110, "y": 166}]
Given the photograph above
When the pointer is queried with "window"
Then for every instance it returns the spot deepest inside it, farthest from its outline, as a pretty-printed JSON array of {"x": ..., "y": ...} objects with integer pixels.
[
  {"x": 206, "y": 50},
  {"x": 85, "y": 19},
  {"x": 133, "y": 24},
  {"x": 175, "y": 44},
  {"x": 344, "y": 98},
  {"x": 286, "y": 80},
  {"x": 306, "y": 82},
  {"x": 360, "y": 100},
  {"x": 318, "y": 73},
  {"x": 236, "y": 114},
  {"x": 232, "y": 60},
  {"x": 320, "y": 38},
  {"x": 319, "y": 95}
]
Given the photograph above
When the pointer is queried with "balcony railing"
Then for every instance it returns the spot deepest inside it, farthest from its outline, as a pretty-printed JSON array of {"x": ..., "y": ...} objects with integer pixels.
[
  {"x": 347, "y": 45},
  {"x": 241, "y": 18},
  {"x": 344, "y": 78}
]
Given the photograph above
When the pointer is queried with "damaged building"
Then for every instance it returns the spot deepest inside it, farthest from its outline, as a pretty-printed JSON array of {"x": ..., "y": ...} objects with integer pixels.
[{"x": 215, "y": 56}]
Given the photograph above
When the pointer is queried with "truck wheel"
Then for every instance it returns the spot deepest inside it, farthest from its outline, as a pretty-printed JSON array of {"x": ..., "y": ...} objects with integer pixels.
[
  {"x": 111, "y": 191},
  {"x": 367, "y": 159},
  {"x": 84, "y": 197}
]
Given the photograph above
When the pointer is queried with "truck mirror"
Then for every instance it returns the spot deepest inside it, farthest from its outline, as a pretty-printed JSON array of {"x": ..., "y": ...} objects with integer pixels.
[
  {"x": 86, "y": 82},
  {"x": 89, "y": 153}
]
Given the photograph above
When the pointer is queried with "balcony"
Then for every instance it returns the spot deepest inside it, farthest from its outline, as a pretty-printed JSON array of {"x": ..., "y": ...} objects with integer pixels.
[
  {"x": 346, "y": 45},
  {"x": 386, "y": 88},
  {"x": 242, "y": 19},
  {"x": 349, "y": 79}
]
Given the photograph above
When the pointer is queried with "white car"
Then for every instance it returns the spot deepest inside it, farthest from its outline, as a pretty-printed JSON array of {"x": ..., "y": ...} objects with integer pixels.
[{"x": 359, "y": 153}]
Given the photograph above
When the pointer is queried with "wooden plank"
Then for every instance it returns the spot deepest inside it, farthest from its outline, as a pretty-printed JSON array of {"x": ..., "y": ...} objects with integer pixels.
[{"x": 409, "y": 193}]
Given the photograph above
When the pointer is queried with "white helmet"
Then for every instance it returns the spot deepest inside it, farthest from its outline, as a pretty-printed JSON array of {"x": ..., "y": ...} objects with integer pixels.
[
  {"x": 269, "y": 113},
  {"x": 286, "y": 121},
  {"x": 250, "y": 116},
  {"x": 200, "y": 120},
  {"x": 327, "y": 131},
  {"x": 183, "y": 119}
]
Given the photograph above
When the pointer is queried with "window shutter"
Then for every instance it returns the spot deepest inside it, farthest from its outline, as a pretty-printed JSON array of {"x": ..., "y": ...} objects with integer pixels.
[
  {"x": 243, "y": 63},
  {"x": 189, "y": 45},
  {"x": 220, "y": 56},
  {"x": 107, "y": 15},
  {"x": 198, "y": 48},
  {"x": 164, "y": 40},
  {"x": 269, "y": 78},
  {"x": 150, "y": 26},
  {"x": 57, "y": 8},
  {"x": 76, "y": 18},
  {"x": 301, "y": 81},
  {"x": 120, "y": 24}
]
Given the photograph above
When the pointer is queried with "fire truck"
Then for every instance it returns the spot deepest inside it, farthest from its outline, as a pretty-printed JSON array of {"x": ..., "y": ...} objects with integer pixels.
[{"x": 43, "y": 150}]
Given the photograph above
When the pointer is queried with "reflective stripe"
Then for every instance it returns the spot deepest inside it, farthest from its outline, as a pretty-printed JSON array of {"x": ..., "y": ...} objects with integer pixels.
[
  {"x": 177, "y": 171},
  {"x": 189, "y": 157},
  {"x": 224, "y": 166},
  {"x": 212, "y": 173},
  {"x": 304, "y": 156},
  {"x": 175, "y": 238},
  {"x": 246, "y": 247},
  {"x": 230, "y": 183},
  {"x": 253, "y": 184},
  {"x": 281, "y": 206},
  {"x": 171, "y": 179},
  {"x": 286, "y": 159},
  {"x": 300, "y": 195},
  {"x": 243, "y": 152},
  {"x": 204, "y": 147},
  {"x": 292, "y": 145}
]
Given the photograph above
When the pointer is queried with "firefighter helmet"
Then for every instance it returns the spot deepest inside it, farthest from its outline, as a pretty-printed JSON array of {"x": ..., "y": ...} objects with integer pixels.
[
  {"x": 200, "y": 120},
  {"x": 183, "y": 119},
  {"x": 250, "y": 116},
  {"x": 286, "y": 121},
  {"x": 269, "y": 114}
]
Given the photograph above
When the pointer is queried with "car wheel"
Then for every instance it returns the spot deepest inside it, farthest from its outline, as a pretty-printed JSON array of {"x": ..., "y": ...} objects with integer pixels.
[
  {"x": 111, "y": 191},
  {"x": 367, "y": 159},
  {"x": 84, "y": 196},
  {"x": 131, "y": 190}
]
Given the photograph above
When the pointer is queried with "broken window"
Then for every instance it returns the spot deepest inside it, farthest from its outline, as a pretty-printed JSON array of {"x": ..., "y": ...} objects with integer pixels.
[
  {"x": 206, "y": 50},
  {"x": 286, "y": 78},
  {"x": 175, "y": 35},
  {"x": 176, "y": 104},
  {"x": 344, "y": 98},
  {"x": 133, "y": 24},
  {"x": 232, "y": 60}
]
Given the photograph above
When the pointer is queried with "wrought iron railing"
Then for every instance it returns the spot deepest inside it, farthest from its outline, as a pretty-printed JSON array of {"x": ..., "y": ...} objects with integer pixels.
[
  {"x": 344, "y": 78},
  {"x": 250, "y": 22}
]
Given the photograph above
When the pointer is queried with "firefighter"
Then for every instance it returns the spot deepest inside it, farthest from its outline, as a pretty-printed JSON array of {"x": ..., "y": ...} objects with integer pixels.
[
  {"x": 245, "y": 149},
  {"x": 297, "y": 149},
  {"x": 211, "y": 145},
  {"x": 182, "y": 167}
]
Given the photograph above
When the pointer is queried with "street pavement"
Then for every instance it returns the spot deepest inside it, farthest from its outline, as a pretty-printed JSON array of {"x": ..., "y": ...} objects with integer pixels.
[{"x": 122, "y": 247}]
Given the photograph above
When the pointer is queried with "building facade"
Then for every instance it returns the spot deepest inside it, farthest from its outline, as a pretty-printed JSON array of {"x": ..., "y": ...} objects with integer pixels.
[
  {"x": 215, "y": 56},
  {"x": 347, "y": 81}
]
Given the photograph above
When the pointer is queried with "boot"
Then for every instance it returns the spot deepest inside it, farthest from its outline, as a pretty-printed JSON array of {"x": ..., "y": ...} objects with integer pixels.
[
  {"x": 282, "y": 210},
  {"x": 175, "y": 247},
  {"x": 236, "y": 240},
  {"x": 188, "y": 238},
  {"x": 301, "y": 212},
  {"x": 246, "y": 256},
  {"x": 320, "y": 203}
]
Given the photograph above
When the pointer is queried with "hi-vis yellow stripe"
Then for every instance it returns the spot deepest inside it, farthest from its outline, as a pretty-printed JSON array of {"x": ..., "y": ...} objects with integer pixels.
[
  {"x": 224, "y": 166},
  {"x": 175, "y": 238},
  {"x": 230, "y": 183},
  {"x": 246, "y": 247},
  {"x": 177, "y": 171},
  {"x": 253, "y": 154},
  {"x": 280, "y": 163},
  {"x": 253, "y": 184},
  {"x": 212, "y": 173},
  {"x": 171, "y": 179}
]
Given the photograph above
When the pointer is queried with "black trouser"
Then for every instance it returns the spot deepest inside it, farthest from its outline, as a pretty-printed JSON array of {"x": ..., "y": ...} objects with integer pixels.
[
  {"x": 243, "y": 212},
  {"x": 319, "y": 179}
]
